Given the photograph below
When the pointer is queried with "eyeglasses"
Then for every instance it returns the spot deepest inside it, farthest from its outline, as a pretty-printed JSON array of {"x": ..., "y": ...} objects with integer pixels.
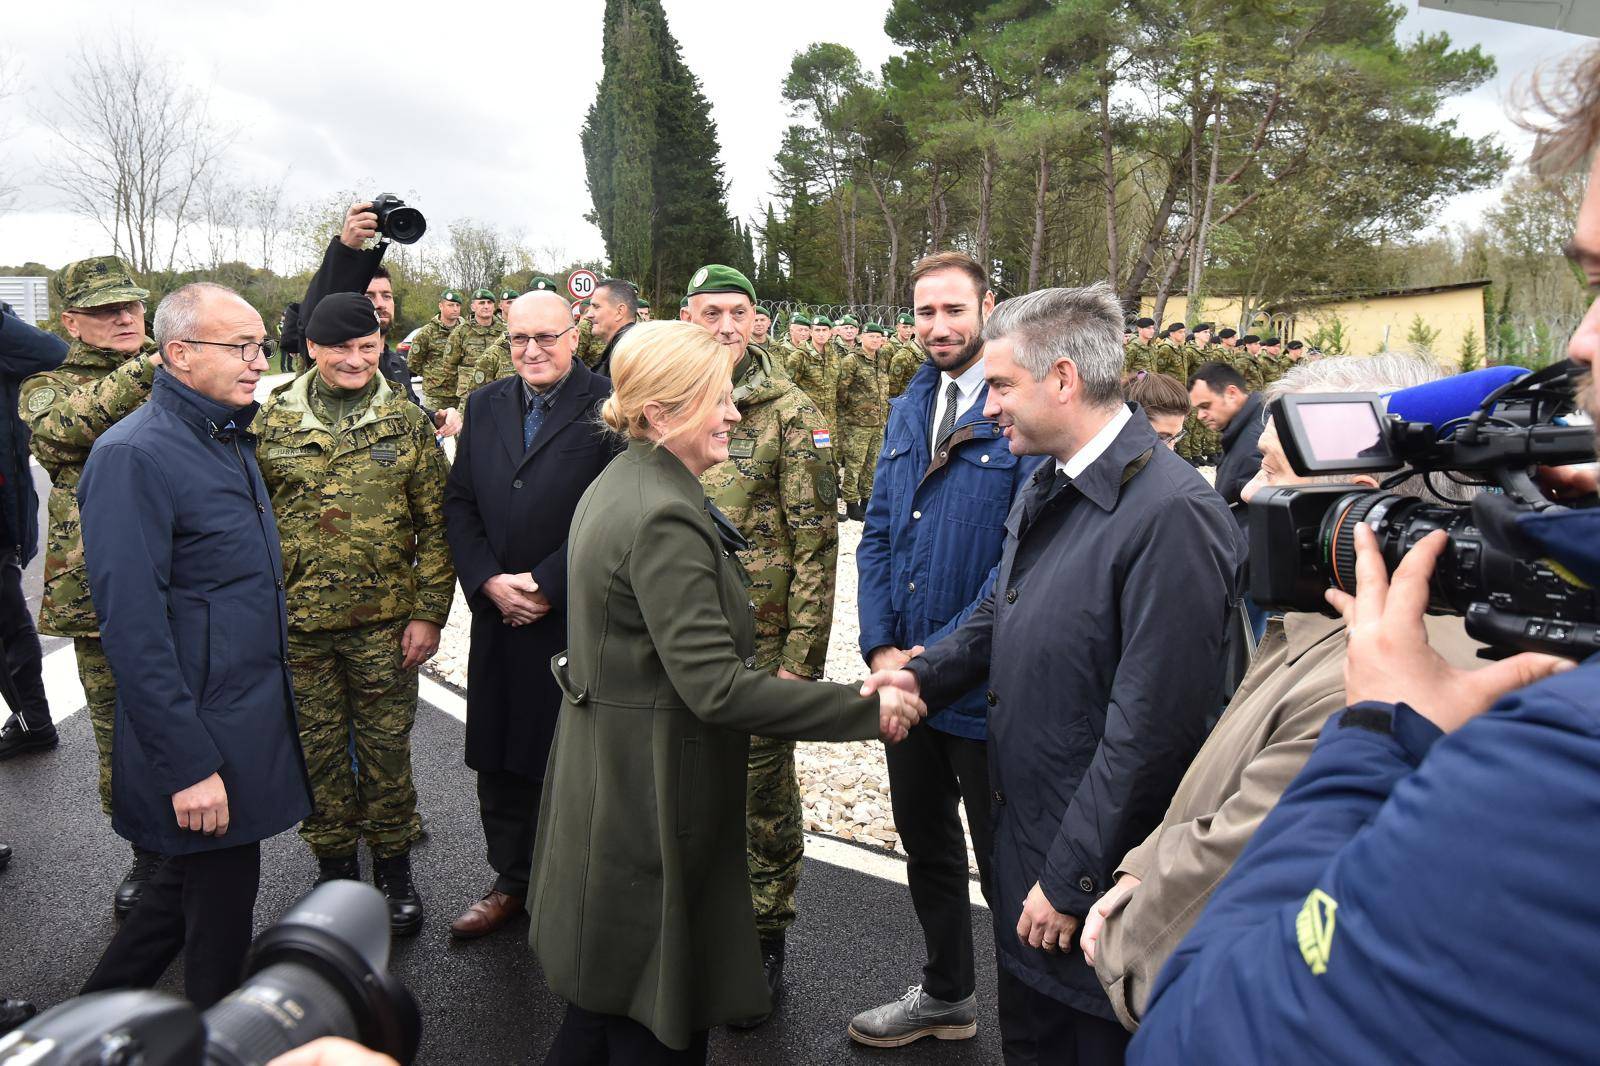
[
  {"x": 1171, "y": 439},
  {"x": 111, "y": 311},
  {"x": 247, "y": 352},
  {"x": 543, "y": 340}
]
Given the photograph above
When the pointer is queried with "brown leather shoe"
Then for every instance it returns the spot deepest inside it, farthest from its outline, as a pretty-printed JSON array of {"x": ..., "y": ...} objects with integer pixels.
[{"x": 490, "y": 913}]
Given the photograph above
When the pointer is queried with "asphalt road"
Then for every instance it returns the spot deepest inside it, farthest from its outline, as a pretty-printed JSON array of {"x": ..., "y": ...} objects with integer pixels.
[{"x": 856, "y": 944}]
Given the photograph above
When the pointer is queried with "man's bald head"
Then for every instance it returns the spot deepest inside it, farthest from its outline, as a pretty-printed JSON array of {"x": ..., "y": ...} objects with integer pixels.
[{"x": 543, "y": 337}]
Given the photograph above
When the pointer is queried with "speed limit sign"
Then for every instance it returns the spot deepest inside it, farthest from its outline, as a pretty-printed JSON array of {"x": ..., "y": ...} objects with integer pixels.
[{"x": 582, "y": 284}]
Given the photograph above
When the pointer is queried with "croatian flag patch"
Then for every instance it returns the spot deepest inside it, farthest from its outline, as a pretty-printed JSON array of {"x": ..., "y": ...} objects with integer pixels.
[{"x": 821, "y": 438}]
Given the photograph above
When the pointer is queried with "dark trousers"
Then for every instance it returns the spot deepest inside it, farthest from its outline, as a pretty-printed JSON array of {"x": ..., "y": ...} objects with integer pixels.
[
  {"x": 930, "y": 774},
  {"x": 1036, "y": 1030},
  {"x": 508, "y": 803},
  {"x": 23, "y": 658},
  {"x": 589, "y": 1039},
  {"x": 202, "y": 904}
]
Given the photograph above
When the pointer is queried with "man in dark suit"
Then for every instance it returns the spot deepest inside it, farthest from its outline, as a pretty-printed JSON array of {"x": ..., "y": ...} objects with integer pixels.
[
  {"x": 1223, "y": 401},
  {"x": 533, "y": 444}
]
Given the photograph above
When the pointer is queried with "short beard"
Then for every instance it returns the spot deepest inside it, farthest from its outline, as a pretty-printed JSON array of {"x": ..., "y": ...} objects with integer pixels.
[{"x": 962, "y": 359}]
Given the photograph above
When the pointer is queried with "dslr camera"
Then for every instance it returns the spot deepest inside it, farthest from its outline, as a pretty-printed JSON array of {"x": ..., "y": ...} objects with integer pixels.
[
  {"x": 1513, "y": 598},
  {"x": 396, "y": 221},
  {"x": 321, "y": 971}
]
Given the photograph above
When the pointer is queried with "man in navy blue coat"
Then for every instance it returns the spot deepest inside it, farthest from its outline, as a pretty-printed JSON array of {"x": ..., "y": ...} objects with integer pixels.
[
  {"x": 185, "y": 571},
  {"x": 1425, "y": 890},
  {"x": 1101, "y": 638},
  {"x": 935, "y": 525}
]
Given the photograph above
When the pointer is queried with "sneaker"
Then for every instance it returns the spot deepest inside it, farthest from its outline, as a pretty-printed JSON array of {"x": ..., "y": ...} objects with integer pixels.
[{"x": 914, "y": 1016}]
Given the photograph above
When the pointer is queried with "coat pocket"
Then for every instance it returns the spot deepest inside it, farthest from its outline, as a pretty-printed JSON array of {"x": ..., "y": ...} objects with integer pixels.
[{"x": 688, "y": 784}]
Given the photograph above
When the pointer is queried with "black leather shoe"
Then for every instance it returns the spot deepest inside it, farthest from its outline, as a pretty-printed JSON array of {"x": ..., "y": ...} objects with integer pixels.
[
  {"x": 145, "y": 865},
  {"x": 5, "y": 855},
  {"x": 772, "y": 966},
  {"x": 15, "y": 741},
  {"x": 13, "y": 1012},
  {"x": 344, "y": 868},
  {"x": 393, "y": 878}
]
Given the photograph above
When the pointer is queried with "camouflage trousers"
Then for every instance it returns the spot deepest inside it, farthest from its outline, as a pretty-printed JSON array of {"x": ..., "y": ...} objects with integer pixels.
[
  {"x": 775, "y": 840},
  {"x": 349, "y": 686},
  {"x": 100, "y": 691},
  {"x": 1199, "y": 440},
  {"x": 858, "y": 453}
]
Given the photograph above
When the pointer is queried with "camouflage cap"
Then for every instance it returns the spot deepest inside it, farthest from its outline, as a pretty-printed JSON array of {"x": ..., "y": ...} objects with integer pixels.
[
  {"x": 763, "y": 311},
  {"x": 483, "y": 294},
  {"x": 543, "y": 285},
  {"x": 714, "y": 277},
  {"x": 905, "y": 320},
  {"x": 509, "y": 294},
  {"x": 96, "y": 282},
  {"x": 848, "y": 320},
  {"x": 874, "y": 327},
  {"x": 822, "y": 320},
  {"x": 450, "y": 296}
]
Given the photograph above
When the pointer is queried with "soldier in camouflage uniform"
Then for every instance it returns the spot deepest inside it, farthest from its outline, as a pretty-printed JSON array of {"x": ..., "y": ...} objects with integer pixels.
[
  {"x": 428, "y": 345},
  {"x": 357, "y": 484},
  {"x": 1140, "y": 352},
  {"x": 906, "y": 357},
  {"x": 1207, "y": 442},
  {"x": 798, "y": 339},
  {"x": 644, "y": 309},
  {"x": 105, "y": 377},
  {"x": 468, "y": 341},
  {"x": 863, "y": 407},
  {"x": 761, "y": 329},
  {"x": 815, "y": 368},
  {"x": 778, "y": 488},
  {"x": 845, "y": 332}
]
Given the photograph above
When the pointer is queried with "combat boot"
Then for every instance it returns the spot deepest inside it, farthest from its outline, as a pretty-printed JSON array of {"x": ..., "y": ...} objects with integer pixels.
[
  {"x": 855, "y": 512},
  {"x": 772, "y": 967},
  {"x": 338, "y": 868},
  {"x": 145, "y": 865},
  {"x": 393, "y": 878}
]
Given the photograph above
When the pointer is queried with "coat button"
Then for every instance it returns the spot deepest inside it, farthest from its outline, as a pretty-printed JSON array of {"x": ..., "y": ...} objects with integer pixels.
[
  {"x": 1011, "y": 595},
  {"x": 280, "y": 582},
  {"x": 943, "y": 454},
  {"x": 916, "y": 514},
  {"x": 911, "y": 586},
  {"x": 517, "y": 484},
  {"x": 893, "y": 452},
  {"x": 1086, "y": 884},
  {"x": 991, "y": 697},
  {"x": 983, "y": 458},
  {"x": 561, "y": 661},
  {"x": 261, "y": 508},
  {"x": 750, "y": 663},
  {"x": 999, "y": 798}
]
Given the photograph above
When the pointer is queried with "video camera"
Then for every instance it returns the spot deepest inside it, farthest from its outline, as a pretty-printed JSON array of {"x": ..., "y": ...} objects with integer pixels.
[
  {"x": 1489, "y": 428},
  {"x": 321, "y": 971}
]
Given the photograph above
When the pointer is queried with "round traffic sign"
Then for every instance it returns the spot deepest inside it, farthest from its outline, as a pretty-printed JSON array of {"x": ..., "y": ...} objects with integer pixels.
[{"x": 581, "y": 284}]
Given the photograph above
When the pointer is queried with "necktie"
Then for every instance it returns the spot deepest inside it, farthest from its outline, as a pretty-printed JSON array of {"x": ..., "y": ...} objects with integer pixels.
[
  {"x": 532, "y": 421},
  {"x": 948, "y": 421}
]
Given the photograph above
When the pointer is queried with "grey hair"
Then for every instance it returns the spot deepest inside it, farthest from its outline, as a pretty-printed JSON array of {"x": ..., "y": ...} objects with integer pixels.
[
  {"x": 1383, "y": 372},
  {"x": 178, "y": 314},
  {"x": 1082, "y": 325}
]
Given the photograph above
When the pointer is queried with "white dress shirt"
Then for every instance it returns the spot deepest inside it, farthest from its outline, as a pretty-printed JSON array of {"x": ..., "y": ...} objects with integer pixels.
[
  {"x": 967, "y": 386},
  {"x": 1097, "y": 444}
]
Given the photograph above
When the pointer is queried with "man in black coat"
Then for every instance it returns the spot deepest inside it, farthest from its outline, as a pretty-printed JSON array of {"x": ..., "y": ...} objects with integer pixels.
[
  {"x": 24, "y": 350},
  {"x": 613, "y": 311},
  {"x": 532, "y": 445},
  {"x": 1223, "y": 401},
  {"x": 1102, "y": 641},
  {"x": 187, "y": 578}
]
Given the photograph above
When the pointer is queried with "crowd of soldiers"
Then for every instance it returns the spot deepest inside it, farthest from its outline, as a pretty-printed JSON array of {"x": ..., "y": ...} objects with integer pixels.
[{"x": 1181, "y": 350}]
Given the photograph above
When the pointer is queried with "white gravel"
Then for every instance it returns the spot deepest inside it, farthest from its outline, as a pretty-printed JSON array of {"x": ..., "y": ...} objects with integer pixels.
[{"x": 845, "y": 787}]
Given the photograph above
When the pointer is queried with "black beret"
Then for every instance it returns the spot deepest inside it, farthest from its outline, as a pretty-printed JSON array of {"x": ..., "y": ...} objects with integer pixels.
[
  {"x": 341, "y": 317},
  {"x": 1295, "y": 346},
  {"x": 1225, "y": 334},
  {"x": 1250, "y": 338},
  {"x": 1145, "y": 323},
  {"x": 1173, "y": 328},
  {"x": 1201, "y": 327},
  {"x": 1270, "y": 341}
]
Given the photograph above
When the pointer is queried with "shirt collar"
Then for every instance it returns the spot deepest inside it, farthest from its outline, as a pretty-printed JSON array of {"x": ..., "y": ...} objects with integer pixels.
[
  {"x": 969, "y": 382},
  {"x": 1097, "y": 444},
  {"x": 548, "y": 396}
]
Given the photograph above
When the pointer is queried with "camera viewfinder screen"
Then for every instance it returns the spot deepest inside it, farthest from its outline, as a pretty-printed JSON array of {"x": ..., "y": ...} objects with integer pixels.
[{"x": 1340, "y": 432}]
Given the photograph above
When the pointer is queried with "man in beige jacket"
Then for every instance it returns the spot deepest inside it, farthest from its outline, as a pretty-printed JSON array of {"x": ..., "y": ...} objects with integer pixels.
[{"x": 1263, "y": 739}]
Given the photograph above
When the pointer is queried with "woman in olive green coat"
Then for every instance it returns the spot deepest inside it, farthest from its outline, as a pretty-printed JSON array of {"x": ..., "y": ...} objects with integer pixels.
[{"x": 640, "y": 899}]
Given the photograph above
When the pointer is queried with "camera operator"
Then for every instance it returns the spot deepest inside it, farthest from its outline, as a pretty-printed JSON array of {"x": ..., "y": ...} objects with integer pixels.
[
  {"x": 1295, "y": 683},
  {"x": 350, "y": 266},
  {"x": 1430, "y": 874}
]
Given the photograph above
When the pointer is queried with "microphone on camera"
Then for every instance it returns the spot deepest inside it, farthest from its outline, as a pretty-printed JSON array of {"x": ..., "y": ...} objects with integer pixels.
[{"x": 1442, "y": 402}]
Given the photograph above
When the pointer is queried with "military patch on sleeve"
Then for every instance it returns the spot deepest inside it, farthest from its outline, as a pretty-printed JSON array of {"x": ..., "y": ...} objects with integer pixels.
[
  {"x": 40, "y": 399},
  {"x": 821, "y": 438},
  {"x": 1313, "y": 928}
]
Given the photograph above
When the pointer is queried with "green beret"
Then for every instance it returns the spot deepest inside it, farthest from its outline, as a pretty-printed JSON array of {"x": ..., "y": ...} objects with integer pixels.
[
  {"x": 822, "y": 320},
  {"x": 509, "y": 294},
  {"x": 905, "y": 320},
  {"x": 763, "y": 311},
  {"x": 97, "y": 282},
  {"x": 718, "y": 278},
  {"x": 543, "y": 285},
  {"x": 848, "y": 320},
  {"x": 483, "y": 294},
  {"x": 644, "y": 303},
  {"x": 683, "y": 303},
  {"x": 450, "y": 296},
  {"x": 874, "y": 327},
  {"x": 799, "y": 318}
]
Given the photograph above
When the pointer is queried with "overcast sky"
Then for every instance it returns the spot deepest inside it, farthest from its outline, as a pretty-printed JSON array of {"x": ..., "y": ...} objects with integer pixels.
[{"x": 398, "y": 96}]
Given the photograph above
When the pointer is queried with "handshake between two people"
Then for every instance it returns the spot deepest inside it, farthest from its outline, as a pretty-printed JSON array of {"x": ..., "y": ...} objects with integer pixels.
[{"x": 900, "y": 703}]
